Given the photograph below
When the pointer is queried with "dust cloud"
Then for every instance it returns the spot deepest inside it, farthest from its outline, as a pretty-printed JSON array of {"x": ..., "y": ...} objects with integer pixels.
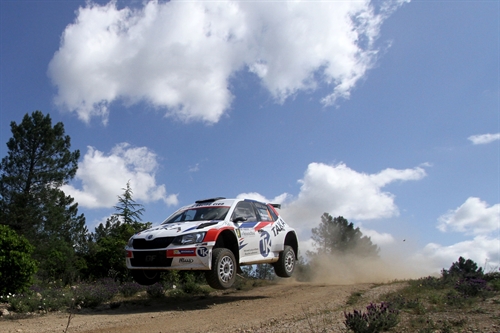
[{"x": 353, "y": 269}]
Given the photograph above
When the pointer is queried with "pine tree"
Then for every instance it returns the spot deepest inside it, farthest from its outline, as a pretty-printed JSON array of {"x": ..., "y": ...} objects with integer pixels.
[
  {"x": 38, "y": 163},
  {"x": 337, "y": 236},
  {"x": 105, "y": 256},
  {"x": 128, "y": 210}
]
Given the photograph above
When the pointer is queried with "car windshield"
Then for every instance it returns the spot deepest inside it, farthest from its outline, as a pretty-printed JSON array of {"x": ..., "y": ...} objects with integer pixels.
[{"x": 198, "y": 214}]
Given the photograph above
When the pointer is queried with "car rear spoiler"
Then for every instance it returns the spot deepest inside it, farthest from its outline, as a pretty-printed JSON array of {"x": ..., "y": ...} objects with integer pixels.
[{"x": 276, "y": 205}]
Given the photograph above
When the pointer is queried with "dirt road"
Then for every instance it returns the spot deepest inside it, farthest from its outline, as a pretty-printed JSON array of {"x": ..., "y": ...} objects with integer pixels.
[{"x": 291, "y": 307}]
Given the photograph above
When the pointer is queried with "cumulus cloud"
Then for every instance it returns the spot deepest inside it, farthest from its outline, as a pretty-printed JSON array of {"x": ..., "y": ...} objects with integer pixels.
[
  {"x": 339, "y": 190},
  {"x": 179, "y": 56},
  {"x": 472, "y": 217},
  {"x": 376, "y": 237},
  {"x": 103, "y": 177},
  {"x": 484, "y": 138},
  {"x": 482, "y": 249},
  {"x": 259, "y": 197}
]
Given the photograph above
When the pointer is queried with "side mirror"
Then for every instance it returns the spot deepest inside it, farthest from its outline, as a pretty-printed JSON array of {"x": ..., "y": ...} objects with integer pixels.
[{"x": 239, "y": 219}]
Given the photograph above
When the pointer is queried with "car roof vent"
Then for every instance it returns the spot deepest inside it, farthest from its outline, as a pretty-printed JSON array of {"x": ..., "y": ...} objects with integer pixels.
[
  {"x": 276, "y": 205},
  {"x": 209, "y": 200}
]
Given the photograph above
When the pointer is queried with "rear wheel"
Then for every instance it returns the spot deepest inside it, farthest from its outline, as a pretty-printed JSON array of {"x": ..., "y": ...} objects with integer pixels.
[
  {"x": 285, "y": 265},
  {"x": 223, "y": 272},
  {"x": 145, "y": 277}
]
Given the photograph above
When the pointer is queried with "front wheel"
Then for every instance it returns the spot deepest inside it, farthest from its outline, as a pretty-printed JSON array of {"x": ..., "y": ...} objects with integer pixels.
[
  {"x": 145, "y": 277},
  {"x": 285, "y": 265},
  {"x": 223, "y": 272}
]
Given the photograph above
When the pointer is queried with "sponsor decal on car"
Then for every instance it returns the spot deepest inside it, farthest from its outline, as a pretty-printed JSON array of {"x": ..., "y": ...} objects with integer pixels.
[
  {"x": 278, "y": 227},
  {"x": 181, "y": 253},
  {"x": 202, "y": 252},
  {"x": 265, "y": 243},
  {"x": 185, "y": 261}
]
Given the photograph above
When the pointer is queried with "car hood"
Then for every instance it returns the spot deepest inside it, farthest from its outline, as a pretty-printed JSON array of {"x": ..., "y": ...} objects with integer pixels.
[{"x": 176, "y": 229}]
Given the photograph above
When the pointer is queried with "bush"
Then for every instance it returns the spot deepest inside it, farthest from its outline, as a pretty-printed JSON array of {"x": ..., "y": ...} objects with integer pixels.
[
  {"x": 156, "y": 290},
  {"x": 471, "y": 287},
  {"x": 16, "y": 265},
  {"x": 377, "y": 318},
  {"x": 129, "y": 289},
  {"x": 430, "y": 282},
  {"x": 53, "y": 299},
  {"x": 401, "y": 302},
  {"x": 462, "y": 269},
  {"x": 92, "y": 295}
]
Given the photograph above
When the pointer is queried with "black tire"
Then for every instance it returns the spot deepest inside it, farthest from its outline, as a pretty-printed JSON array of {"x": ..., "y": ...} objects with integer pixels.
[
  {"x": 223, "y": 272},
  {"x": 285, "y": 265},
  {"x": 145, "y": 277}
]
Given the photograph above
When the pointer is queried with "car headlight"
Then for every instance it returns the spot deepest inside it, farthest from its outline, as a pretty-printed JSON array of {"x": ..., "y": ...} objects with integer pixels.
[{"x": 187, "y": 239}]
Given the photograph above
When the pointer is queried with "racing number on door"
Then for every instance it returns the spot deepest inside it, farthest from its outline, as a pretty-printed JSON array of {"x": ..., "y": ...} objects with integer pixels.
[{"x": 265, "y": 243}]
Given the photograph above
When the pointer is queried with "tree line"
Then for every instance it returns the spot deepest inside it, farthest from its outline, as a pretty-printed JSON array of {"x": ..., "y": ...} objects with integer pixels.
[{"x": 43, "y": 237}]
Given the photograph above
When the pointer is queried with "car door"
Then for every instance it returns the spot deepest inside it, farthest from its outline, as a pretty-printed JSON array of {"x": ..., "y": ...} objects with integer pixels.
[
  {"x": 246, "y": 223},
  {"x": 265, "y": 230}
]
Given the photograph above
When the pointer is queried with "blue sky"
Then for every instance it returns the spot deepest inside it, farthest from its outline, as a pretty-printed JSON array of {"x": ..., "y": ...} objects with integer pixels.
[{"x": 384, "y": 112}]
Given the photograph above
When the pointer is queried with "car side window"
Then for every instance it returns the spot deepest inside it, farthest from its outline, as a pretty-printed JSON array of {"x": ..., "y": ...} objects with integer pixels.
[
  {"x": 273, "y": 213},
  {"x": 244, "y": 209},
  {"x": 264, "y": 213}
]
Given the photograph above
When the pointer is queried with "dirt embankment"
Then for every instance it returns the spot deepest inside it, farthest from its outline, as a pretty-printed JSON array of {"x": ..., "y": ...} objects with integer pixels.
[{"x": 288, "y": 307}]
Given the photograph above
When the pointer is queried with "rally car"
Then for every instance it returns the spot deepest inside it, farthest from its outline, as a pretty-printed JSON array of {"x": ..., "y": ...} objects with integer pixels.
[{"x": 215, "y": 235}]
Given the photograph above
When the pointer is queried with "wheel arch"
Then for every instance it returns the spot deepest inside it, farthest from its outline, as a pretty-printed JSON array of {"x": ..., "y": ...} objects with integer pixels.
[
  {"x": 227, "y": 239},
  {"x": 292, "y": 240}
]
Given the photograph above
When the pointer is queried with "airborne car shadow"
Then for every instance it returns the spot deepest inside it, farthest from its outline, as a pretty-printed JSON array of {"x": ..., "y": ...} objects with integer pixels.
[{"x": 185, "y": 303}]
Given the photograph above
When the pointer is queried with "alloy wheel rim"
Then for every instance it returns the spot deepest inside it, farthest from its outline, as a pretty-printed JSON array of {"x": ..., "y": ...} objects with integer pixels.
[{"x": 226, "y": 269}]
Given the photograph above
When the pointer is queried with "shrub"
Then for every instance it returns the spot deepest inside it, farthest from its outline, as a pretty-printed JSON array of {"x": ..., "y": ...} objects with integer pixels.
[
  {"x": 462, "y": 269},
  {"x": 471, "y": 287},
  {"x": 430, "y": 282},
  {"x": 400, "y": 302},
  {"x": 51, "y": 299},
  {"x": 377, "y": 318},
  {"x": 456, "y": 299},
  {"x": 129, "y": 289},
  {"x": 156, "y": 290},
  {"x": 92, "y": 295},
  {"x": 16, "y": 265}
]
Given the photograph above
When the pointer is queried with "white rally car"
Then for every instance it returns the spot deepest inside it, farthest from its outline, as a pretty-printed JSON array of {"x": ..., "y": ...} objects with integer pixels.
[{"x": 215, "y": 235}]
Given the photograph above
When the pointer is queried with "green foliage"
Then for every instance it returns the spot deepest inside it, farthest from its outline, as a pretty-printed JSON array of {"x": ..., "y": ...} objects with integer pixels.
[
  {"x": 16, "y": 265},
  {"x": 129, "y": 211},
  {"x": 46, "y": 300},
  {"x": 354, "y": 298},
  {"x": 104, "y": 257},
  {"x": 129, "y": 289},
  {"x": 38, "y": 163},
  {"x": 377, "y": 318},
  {"x": 462, "y": 269},
  {"x": 493, "y": 280},
  {"x": 92, "y": 295},
  {"x": 191, "y": 285},
  {"x": 156, "y": 290},
  {"x": 400, "y": 302},
  {"x": 335, "y": 236}
]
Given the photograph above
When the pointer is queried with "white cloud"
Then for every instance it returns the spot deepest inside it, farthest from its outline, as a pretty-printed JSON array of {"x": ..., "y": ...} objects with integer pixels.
[
  {"x": 381, "y": 239},
  {"x": 341, "y": 191},
  {"x": 259, "y": 197},
  {"x": 484, "y": 138},
  {"x": 472, "y": 217},
  {"x": 481, "y": 249},
  {"x": 179, "y": 56},
  {"x": 103, "y": 177}
]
